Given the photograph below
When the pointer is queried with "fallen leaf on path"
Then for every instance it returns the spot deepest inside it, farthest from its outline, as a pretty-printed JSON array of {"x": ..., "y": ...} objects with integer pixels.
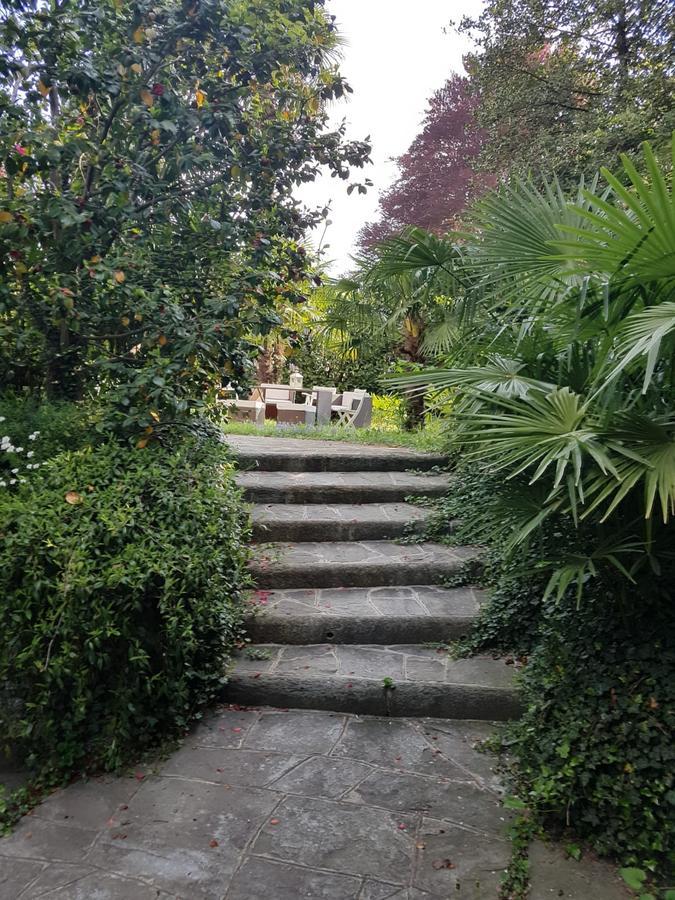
[{"x": 442, "y": 864}]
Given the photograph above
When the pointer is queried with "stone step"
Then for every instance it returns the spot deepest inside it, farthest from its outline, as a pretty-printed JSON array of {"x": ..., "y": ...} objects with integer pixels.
[
  {"x": 299, "y": 455},
  {"x": 379, "y": 615},
  {"x": 339, "y": 487},
  {"x": 318, "y": 564},
  {"x": 339, "y": 522},
  {"x": 397, "y": 680}
]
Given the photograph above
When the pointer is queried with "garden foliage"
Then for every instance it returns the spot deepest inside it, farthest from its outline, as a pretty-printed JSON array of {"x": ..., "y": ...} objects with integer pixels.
[
  {"x": 149, "y": 154},
  {"x": 593, "y": 750},
  {"x": 565, "y": 87},
  {"x": 562, "y": 370},
  {"x": 121, "y": 573}
]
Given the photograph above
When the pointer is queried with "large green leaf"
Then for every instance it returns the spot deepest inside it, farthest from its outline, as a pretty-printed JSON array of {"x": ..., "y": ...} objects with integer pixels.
[
  {"x": 643, "y": 335},
  {"x": 644, "y": 456},
  {"x": 517, "y": 255},
  {"x": 632, "y": 238},
  {"x": 537, "y": 432},
  {"x": 505, "y": 377}
]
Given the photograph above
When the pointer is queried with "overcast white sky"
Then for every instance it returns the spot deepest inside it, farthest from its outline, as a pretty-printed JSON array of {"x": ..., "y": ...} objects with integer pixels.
[{"x": 395, "y": 56}]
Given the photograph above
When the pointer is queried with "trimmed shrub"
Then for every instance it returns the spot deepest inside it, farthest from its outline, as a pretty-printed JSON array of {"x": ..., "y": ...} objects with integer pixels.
[{"x": 121, "y": 573}]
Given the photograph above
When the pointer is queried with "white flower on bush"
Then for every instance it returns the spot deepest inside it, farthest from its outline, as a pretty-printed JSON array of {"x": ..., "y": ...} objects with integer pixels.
[{"x": 11, "y": 465}]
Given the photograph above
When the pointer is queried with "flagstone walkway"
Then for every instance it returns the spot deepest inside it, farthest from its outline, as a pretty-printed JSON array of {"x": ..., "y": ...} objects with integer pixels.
[{"x": 294, "y": 790}]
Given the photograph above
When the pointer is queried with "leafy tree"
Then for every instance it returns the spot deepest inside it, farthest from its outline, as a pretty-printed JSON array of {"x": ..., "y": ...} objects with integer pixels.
[
  {"x": 437, "y": 176},
  {"x": 150, "y": 150},
  {"x": 568, "y": 85}
]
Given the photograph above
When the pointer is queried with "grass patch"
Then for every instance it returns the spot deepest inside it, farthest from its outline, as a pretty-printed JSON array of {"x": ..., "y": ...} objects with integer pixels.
[{"x": 431, "y": 438}]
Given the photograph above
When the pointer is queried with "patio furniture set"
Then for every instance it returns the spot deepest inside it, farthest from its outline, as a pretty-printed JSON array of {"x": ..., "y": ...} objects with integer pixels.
[{"x": 318, "y": 406}]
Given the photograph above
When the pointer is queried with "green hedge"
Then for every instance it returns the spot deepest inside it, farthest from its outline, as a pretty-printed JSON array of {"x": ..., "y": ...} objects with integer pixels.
[{"x": 121, "y": 573}]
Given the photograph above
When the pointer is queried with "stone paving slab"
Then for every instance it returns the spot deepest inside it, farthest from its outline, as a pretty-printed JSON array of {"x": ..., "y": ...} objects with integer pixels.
[
  {"x": 339, "y": 487},
  {"x": 298, "y": 454},
  {"x": 351, "y": 678},
  {"x": 555, "y": 877},
  {"x": 338, "y": 564},
  {"x": 378, "y": 615},
  {"x": 339, "y": 522},
  {"x": 350, "y": 808}
]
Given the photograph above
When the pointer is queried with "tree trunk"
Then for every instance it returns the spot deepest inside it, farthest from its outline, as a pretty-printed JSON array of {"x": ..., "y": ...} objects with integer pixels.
[
  {"x": 622, "y": 46},
  {"x": 414, "y": 405}
]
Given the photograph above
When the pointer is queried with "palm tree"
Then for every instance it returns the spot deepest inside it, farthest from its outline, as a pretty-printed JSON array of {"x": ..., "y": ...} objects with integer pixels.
[
  {"x": 565, "y": 368},
  {"x": 410, "y": 306}
]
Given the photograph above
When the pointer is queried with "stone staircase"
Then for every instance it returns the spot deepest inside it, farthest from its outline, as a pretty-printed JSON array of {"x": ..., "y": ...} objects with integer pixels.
[{"x": 345, "y": 618}]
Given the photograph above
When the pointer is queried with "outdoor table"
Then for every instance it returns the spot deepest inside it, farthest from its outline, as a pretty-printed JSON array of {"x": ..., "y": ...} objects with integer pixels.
[{"x": 280, "y": 387}]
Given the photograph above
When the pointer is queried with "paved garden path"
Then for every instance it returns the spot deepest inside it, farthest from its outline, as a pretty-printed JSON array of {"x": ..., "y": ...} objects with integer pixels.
[{"x": 344, "y": 765}]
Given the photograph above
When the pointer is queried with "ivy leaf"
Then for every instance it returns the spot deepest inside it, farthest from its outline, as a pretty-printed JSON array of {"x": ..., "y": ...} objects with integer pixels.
[{"x": 634, "y": 878}]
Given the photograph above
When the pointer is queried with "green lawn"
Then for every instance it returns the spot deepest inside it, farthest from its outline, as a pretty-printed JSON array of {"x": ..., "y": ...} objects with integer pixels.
[{"x": 431, "y": 437}]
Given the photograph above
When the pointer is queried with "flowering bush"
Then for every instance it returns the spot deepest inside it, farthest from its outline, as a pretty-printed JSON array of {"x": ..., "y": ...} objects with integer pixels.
[{"x": 14, "y": 461}]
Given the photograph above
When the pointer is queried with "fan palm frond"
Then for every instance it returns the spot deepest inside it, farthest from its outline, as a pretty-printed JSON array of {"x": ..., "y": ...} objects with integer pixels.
[
  {"x": 633, "y": 239},
  {"x": 538, "y": 432},
  {"x": 517, "y": 257},
  {"x": 643, "y": 335},
  {"x": 500, "y": 376}
]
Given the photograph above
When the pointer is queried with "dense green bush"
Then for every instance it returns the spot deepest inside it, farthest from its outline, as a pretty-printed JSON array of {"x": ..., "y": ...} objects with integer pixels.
[
  {"x": 121, "y": 573},
  {"x": 323, "y": 362},
  {"x": 593, "y": 750},
  {"x": 60, "y": 425}
]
